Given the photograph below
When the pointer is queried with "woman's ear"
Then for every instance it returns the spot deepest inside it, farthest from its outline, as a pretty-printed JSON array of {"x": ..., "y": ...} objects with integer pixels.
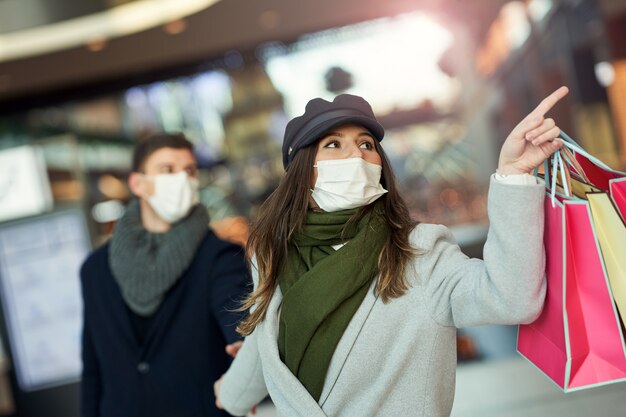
[{"x": 137, "y": 184}]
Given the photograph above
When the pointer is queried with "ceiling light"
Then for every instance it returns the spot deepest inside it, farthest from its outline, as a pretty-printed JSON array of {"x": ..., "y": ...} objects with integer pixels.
[{"x": 119, "y": 21}]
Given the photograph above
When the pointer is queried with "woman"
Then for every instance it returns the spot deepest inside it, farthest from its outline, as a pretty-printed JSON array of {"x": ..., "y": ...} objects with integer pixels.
[{"x": 355, "y": 307}]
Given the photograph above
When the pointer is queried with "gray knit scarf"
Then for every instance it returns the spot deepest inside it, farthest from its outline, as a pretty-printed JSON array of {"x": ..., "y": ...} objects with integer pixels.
[{"x": 146, "y": 265}]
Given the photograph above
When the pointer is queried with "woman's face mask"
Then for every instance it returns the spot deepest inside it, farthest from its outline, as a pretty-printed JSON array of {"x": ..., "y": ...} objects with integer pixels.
[
  {"x": 174, "y": 195},
  {"x": 343, "y": 184}
]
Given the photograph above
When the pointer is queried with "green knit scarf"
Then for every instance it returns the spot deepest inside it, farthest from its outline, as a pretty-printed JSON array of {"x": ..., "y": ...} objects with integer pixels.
[{"x": 322, "y": 288}]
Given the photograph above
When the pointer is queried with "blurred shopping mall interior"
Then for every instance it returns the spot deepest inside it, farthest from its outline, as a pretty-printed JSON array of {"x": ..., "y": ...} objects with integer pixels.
[{"x": 81, "y": 81}]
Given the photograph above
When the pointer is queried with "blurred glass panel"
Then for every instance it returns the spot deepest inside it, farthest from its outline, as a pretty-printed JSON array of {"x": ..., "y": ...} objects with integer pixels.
[
  {"x": 24, "y": 184},
  {"x": 400, "y": 74},
  {"x": 39, "y": 264}
]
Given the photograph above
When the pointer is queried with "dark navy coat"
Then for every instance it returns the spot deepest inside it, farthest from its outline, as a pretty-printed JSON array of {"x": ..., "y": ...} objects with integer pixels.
[{"x": 170, "y": 374}]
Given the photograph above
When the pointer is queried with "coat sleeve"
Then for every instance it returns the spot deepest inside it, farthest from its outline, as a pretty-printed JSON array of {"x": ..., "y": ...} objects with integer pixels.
[
  {"x": 90, "y": 389},
  {"x": 509, "y": 286},
  {"x": 230, "y": 284},
  {"x": 243, "y": 385}
]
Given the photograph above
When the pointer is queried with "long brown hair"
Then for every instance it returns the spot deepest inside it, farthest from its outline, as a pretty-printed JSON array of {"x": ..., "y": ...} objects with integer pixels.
[{"x": 284, "y": 212}]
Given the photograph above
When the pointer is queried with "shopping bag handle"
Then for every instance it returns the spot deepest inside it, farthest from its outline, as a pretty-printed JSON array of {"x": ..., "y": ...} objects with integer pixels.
[
  {"x": 558, "y": 163},
  {"x": 570, "y": 143},
  {"x": 573, "y": 163},
  {"x": 561, "y": 162},
  {"x": 569, "y": 158}
]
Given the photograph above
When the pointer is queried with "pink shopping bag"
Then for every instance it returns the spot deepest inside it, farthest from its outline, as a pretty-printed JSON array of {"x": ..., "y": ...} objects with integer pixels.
[{"x": 577, "y": 341}]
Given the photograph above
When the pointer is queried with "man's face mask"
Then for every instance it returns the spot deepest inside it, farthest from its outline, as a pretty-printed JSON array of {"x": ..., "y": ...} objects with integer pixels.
[
  {"x": 346, "y": 183},
  {"x": 174, "y": 195}
]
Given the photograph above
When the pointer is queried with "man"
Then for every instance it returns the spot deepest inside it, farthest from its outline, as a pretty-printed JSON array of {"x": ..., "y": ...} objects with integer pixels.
[{"x": 159, "y": 298}]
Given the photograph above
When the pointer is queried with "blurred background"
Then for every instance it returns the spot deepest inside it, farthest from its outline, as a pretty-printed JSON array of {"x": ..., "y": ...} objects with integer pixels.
[{"x": 82, "y": 80}]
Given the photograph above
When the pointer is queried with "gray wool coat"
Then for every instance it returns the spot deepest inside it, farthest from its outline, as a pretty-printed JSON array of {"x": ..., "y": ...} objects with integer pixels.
[{"x": 399, "y": 359}]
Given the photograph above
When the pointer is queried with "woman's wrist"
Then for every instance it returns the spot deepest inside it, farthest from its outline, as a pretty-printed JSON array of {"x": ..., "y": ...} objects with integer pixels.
[{"x": 510, "y": 170}]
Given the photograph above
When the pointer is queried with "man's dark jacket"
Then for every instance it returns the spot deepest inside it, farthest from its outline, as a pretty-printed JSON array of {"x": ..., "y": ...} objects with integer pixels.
[{"x": 170, "y": 374}]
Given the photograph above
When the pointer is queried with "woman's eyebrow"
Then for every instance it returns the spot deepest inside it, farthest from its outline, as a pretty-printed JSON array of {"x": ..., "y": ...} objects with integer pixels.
[{"x": 333, "y": 134}]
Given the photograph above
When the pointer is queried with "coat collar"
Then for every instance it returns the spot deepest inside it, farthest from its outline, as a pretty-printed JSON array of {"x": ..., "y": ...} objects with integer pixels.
[
  {"x": 285, "y": 382},
  {"x": 281, "y": 376}
]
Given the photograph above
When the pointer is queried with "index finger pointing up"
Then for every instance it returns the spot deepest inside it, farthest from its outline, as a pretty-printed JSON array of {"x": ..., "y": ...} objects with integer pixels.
[{"x": 549, "y": 102}]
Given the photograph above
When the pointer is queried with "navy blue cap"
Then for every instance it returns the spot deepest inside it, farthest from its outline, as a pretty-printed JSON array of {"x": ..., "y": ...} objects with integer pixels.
[{"x": 321, "y": 115}]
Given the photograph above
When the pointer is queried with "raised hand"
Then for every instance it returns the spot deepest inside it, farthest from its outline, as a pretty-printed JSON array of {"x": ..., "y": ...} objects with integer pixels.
[{"x": 532, "y": 141}]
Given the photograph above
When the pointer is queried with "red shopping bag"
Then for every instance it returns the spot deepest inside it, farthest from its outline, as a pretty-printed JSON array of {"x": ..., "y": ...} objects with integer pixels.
[
  {"x": 598, "y": 173},
  {"x": 577, "y": 341}
]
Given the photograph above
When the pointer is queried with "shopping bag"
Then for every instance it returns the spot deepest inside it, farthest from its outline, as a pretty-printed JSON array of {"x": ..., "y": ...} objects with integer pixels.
[
  {"x": 617, "y": 188},
  {"x": 611, "y": 233},
  {"x": 577, "y": 341},
  {"x": 607, "y": 213},
  {"x": 598, "y": 173}
]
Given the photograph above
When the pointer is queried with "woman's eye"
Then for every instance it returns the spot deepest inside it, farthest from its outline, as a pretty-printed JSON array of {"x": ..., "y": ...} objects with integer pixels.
[
  {"x": 332, "y": 144},
  {"x": 367, "y": 145}
]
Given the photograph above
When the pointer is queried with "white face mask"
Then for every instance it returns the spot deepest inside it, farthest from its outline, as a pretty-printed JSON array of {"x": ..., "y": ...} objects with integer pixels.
[
  {"x": 174, "y": 195},
  {"x": 346, "y": 184}
]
